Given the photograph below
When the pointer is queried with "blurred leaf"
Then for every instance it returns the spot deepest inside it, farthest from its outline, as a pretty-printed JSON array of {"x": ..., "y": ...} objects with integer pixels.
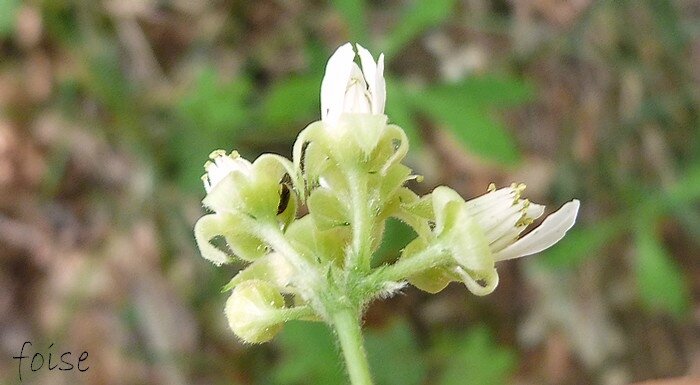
[
  {"x": 55, "y": 171},
  {"x": 309, "y": 356},
  {"x": 669, "y": 22},
  {"x": 398, "y": 109},
  {"x": 415, "y": 19},
  {"x": 581, "y": 243},
  {"x": 475, "y": 359},
  {"x": 213, "y": 113},
  {"x": 60, "y": 20},
  {"x": 109, "y": 85},
  {"x": 457, "y": 108},
  {"x": 396, "y": 236},
  {"x": 292, "y": 99},
  {"x": 394, "y": 356},
  {"x": 683, "y": 201},
  {"x": 316, "y": 54},
  {"x": 486, "y": 91},
  {"x": 8, "y": 16},
  {"x": 661, "y": 282},
  {"x": 686, "y": 190},
  {"x": 355, "y": 15},
  {"x": 118, "y": 99},
  {"x": 214, "y": 105}
]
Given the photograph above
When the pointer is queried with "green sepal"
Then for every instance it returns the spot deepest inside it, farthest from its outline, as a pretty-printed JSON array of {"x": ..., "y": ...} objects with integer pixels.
[
  {"x": 480, "y": 282},
  {"x": 206, "y": 228},
  {"x": 421, "y": 207},
  {"x": 311, "y": 156},
  {"x": 365, "y": 129},
  {"x": 446, "y": 205},
  {"x": 327, "y": 210},
  {"x": 256, "y": 194},
  {"x": 245, "y": 245},
  {"x": 316, "y": 244},
  {"x": 432, "y": 280},
  {"x": 469, "y": 246},
  {"x": 226, "y": 196},
  {"x": 415, "y": 211},
  {"x": 272, "y": 268},
  {"x": 391, "y": 149},
  {"x": 288, "y": 203},
  {"x": 465, "y": 240},
  {"x": 239, "y": 238},
  {"x": 331, "y": 243},
  {"x": 389, "y": 183},
  {"x": 285, "y": 166},
  {"x": 300, "y": 235}
]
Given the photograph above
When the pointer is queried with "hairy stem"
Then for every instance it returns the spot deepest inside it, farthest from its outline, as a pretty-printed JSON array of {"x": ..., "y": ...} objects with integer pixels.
[
  {"x": 432, "y": 256},
  {"x": 346, "y": 323},
  {"x": 274, "y": 237}
]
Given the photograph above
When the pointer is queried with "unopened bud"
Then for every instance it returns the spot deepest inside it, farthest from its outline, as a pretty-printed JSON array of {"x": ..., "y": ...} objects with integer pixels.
[{"x": 253, "y": 311}]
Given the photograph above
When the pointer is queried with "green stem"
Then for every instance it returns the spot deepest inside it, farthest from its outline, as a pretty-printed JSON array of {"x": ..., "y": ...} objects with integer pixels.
[
  {"x": 298, "y": 312},
  {"x": 347, "y": 325},
  {"x": 432, "y": 256},
  {"x": 274, "y": 237},
  {"x": 361, "y": 223}
]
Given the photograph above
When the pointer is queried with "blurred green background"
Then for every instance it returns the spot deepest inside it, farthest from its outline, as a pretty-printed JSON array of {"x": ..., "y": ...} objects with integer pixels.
[{"x": 108, "y": 109}]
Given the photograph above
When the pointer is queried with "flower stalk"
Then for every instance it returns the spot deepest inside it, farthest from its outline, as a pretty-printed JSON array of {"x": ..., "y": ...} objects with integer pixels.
[
  {"x": 346, "y": 323},
  {"x": 347, "y": 170},
  {"x": 361, "y": 221}
]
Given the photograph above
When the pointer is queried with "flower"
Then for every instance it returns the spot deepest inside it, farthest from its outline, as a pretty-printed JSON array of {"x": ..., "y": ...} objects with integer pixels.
[
  {"x": 485, "y": 230},
  {"x": 503, "y": 215},
  {"x": 220, "y": 165},
  {"x": 347, "y": 89}
]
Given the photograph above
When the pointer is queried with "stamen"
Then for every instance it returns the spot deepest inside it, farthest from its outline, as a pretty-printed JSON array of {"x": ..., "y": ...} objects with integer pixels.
[{"x": 518, "y": 189}]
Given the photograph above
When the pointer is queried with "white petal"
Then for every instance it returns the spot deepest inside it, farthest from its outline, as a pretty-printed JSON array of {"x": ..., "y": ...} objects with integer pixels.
[
  {"x": 547, "y": 234},
  {"x": 503, "y": 211},
  {"x": 508, "y": 236},
  {"x": 335, "y": 82},
  {"x": 379, "y": 94},
  {"x": 369, "y": 68},
  {"x": 534, "y": 211},
  {"x": 487, "y": 201},
  {"x": 374, "y": 74},
  {"x": 357, "y": 99},
  {"x": 220, "y": 165},
  {"x": 505, "y": 227}
]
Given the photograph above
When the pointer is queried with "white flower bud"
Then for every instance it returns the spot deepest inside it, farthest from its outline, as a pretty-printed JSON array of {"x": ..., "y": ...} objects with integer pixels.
[
  {"x": 347, "y": 89},
  {"x": 254, "y": 311},
  {"x": 220, "y": 165}
]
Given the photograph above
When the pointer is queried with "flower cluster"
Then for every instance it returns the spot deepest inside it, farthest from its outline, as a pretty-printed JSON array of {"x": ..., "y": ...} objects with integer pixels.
[{"x": 347, "y": 171}]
